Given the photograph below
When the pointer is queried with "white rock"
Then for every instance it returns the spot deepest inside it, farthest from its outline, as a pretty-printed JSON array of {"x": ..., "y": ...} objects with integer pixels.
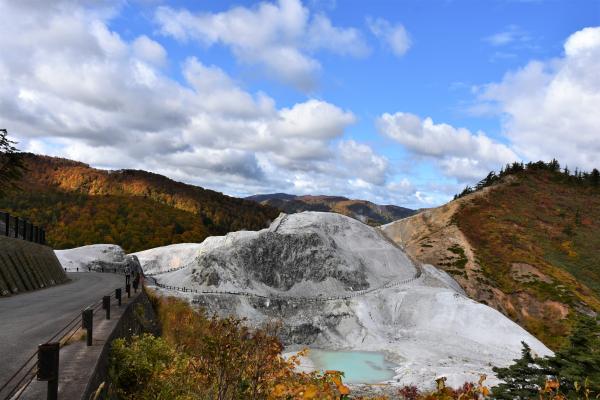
[
  {"x": 95, "y": 257},
  {"x": 166, "y": 258},
  {"x": 417, "y": 315}
]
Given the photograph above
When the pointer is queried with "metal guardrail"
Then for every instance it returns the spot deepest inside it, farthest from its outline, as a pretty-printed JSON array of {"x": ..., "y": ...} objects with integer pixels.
[
  {"x": 20, "y": 228},
  {"x": 43, "y": 363}
]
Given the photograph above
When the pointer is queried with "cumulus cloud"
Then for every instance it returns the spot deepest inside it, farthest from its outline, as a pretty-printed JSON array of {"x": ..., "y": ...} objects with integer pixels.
[
  {"x": 281, "y": 37},
  {"x": 550, "y": 108},
  {"x": 394, "y": 36},
  {"x": 461, "y": 153},
  {"x": 70, "y": 86}
]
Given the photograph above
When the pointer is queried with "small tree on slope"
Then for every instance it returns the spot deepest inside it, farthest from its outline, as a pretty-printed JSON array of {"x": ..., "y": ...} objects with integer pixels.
[
  {"x": 11, "y": 165},
  {"x": 523, "y": 379},
  {"x": 576, "y": 367},
  {"x": 579, "y": 362}
]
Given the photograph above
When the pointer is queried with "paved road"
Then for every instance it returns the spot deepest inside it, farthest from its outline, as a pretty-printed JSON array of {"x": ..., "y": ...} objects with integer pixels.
[{"x": 29, "y": 319}]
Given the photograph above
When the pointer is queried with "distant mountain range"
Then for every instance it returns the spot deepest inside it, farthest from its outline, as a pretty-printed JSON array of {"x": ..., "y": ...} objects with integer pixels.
[
  {"x": 137, "y": 210},
  {"x": 362, "y": 210}
]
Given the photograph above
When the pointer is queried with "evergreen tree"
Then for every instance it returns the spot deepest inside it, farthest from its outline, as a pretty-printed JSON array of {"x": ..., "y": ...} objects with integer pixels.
[
  {"x": 11, "y": 164},
  {"x": 580, "y": 360},
  {"x": 523, "y": 379},
  {"x": 554, "y": 165},
  {"x": 595, "y": 177}
]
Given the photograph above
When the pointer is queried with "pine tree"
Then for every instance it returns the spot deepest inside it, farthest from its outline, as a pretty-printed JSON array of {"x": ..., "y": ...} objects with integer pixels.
[
  {"x": 11, "y": 165},
  {"x": 580, "y": 360},
  {"x": 595, "y": 177},
  {"x": 523, "y": 379}
]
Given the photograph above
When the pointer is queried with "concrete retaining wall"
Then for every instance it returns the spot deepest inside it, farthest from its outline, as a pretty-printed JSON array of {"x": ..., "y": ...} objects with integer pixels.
[{"x": 27, "y": 266}]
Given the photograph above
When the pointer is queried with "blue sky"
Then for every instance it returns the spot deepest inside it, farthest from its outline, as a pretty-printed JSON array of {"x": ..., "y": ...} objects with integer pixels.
[{"x": 399, "y": 102}]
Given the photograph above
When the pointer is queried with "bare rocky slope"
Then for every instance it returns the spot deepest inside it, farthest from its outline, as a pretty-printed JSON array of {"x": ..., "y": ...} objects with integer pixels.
[{"x": 335, "y": 283}]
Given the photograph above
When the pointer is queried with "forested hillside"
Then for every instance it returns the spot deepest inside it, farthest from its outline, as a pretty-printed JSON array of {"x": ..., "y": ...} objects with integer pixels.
[
  {"x": 81, "y": 205},
  {"x": 525, "y": 241}
]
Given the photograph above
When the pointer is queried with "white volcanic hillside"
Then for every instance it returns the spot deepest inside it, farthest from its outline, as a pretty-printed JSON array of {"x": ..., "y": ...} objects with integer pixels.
[
  {"x": 95, "y": 257},
  {"x": 304, "y": 254},
  {"x": 338, "y": 284},
  {"x": 168, "y": 258}
]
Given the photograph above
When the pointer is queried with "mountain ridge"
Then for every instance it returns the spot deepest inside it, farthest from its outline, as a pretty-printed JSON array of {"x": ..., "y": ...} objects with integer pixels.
[{"x": 362, "y": 210}]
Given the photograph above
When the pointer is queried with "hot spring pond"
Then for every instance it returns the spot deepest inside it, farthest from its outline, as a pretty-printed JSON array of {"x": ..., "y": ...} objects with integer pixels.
[{"x": 358, "y": 366}]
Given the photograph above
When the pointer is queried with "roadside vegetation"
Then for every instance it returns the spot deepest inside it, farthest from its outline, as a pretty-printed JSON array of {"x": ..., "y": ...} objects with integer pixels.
[{"x": 207, "y": 357}]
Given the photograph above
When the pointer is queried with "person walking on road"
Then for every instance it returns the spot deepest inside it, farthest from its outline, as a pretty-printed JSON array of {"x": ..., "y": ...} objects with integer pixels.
[{"x": 136, "y": 281}]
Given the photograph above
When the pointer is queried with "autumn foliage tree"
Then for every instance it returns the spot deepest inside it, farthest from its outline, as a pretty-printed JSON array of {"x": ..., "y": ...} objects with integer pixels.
[{"x": 204, "y": 357}]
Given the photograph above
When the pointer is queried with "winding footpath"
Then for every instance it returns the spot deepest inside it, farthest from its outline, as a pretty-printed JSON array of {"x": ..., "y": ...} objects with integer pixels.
[{"x": 387, "y": 285}]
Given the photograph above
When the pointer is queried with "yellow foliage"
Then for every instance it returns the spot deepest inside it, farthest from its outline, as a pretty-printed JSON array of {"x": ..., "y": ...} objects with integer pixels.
[{"x": 566, "y": 246}]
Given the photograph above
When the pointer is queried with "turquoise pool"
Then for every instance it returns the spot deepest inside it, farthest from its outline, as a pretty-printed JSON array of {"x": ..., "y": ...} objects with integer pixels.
[{"x": 358, "y": 366}]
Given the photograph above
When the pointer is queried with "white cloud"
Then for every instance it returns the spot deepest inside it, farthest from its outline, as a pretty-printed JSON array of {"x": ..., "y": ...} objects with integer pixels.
[
  {"x": 70, "y": 86},
  {"x": 459, "y": 152},
  {"x": 281, "y": 37},
  {"x": 512, "y": 34},
  {"x": 550, "y": 108},
  {"x": 344, "y": 41},
  {"x": 313, "y": 119},
  {"x": 395, "y": 36},
  {"x": 362, "y": 162},
  {"x": 149, "y": 50}
]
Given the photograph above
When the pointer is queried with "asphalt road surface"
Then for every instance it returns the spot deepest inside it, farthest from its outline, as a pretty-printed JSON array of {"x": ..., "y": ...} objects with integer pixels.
[{"x": 29, "y": 319}]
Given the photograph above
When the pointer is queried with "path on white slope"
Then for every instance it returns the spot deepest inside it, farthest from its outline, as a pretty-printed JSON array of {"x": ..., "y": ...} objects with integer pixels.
[{"x": 387, "y": 285}]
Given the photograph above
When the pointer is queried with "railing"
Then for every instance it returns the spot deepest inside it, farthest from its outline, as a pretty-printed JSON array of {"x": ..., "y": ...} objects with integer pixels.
[
  {"x": 388, "y": 285},
  {"x": 43, "y": 363},
  {"x": 19, "y": 228}
]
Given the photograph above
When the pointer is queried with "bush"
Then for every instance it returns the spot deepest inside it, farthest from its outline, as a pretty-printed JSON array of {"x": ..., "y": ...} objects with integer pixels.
[{"x": 202, "y": 357}]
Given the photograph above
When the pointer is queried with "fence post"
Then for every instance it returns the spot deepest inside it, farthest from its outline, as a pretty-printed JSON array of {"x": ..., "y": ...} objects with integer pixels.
[
  {"x": 7, "y": 222},
  {"x": 118, "y": 295},
  {"x": 87, "y": 321},
  {"x": 43, "y": 236},
  {"x": 17, "y": 227},
  {"x": 128, "y": 289},
  {"x": 106, "y": 305},
  {"x": 48, "y": 361}
]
